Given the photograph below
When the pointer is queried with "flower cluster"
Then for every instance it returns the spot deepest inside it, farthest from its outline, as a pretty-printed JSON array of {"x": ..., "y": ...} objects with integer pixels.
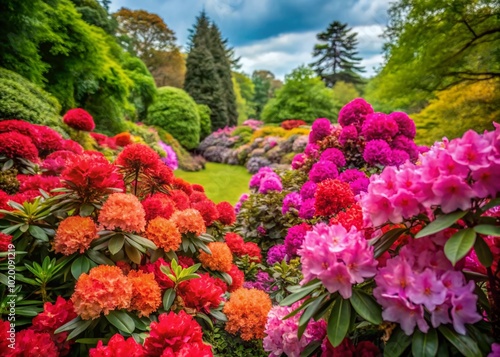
[
  {"x": 118, "y": 346},
  {"x": 123, "y": 211},
  {"x": 266, "y": 180},
  {"x": 202, "y": 294},
  {"x": 189, "y": 221},
  {"x": 331, "y": 197},
  {"x": 176, "y": 335},
  {"x": 292, "y": 123},
  {"x": 421, "y": 279},
  {"x": 337, "y": 257},
  {"x": 450, "y": 175},
  {"x": 220, "y": 259},
  {"x": 74, "y": 234},
  {"x": 246, "y": 312},
  {"x": 164, "y": 234},
  {"x": 281, "y": 335},
  {"x": 240, "y": 248},
  {"x": 79, "y": 119},
  {"x": 171, "y": 158}
]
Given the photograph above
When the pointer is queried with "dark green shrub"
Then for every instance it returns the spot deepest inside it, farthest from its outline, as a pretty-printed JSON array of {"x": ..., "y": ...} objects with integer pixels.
[
  {"x": 186, "y": 161},
  {"x": 176, "y": 112},
  {"x": 21, "y": 99},
  {"x": 205, "y": 121}
]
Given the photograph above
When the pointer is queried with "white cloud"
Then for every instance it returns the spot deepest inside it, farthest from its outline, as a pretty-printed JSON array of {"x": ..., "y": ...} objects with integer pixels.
[{"x": 282, "y": 53}]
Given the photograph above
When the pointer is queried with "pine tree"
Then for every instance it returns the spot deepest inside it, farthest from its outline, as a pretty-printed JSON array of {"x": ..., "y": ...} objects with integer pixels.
[
  {"x": 337, "y": 54},
  {"x": 202, "y": 80},
  {"x": 220, "y": 54}
]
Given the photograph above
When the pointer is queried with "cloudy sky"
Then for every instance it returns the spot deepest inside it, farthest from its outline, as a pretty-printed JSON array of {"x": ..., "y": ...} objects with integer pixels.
[{"x": 277, "y": 35}]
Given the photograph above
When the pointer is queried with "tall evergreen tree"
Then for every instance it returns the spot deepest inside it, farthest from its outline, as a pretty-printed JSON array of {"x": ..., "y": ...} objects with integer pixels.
[
  {"x": 337, "y": 54},
  {"x": 208, "y": 72},
  {"x": 202, "y": 80},
  {"x": 220, "y": 54}
]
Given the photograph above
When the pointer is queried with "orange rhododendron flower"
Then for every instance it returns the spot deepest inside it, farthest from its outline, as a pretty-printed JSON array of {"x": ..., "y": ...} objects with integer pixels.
[
  {"x": 123, "y": 211},
  {"x": 146, "y": 293},
  {"x": 164, "y": 234},
  {"x": 74, "y": 234},
  {"x": 189, "y": 221},
  {"x": 246, "y": 313},
  {"x": 221, "y": 258},
  {"x": 103, "y": 289}
]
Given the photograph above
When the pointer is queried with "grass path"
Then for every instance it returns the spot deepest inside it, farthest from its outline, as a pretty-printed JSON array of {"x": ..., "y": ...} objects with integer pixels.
[{"x": 222, "y": 182}]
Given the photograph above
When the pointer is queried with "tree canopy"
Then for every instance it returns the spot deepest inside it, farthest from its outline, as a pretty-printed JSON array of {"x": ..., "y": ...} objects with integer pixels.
[
  {"x": 337, "y": 55},
  {"x": 303, "y": 96}
]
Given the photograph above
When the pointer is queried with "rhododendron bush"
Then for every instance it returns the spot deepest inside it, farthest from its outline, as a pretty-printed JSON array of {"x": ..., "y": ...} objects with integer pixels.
[
  {"x": 116, "y": 258},
  {"x": 374, "y": 245}
]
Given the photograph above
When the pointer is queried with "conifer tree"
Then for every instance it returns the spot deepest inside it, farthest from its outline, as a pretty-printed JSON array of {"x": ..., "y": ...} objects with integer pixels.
[
  {"x": 337, "y": 54},
  {"x": 208, "y": 72},
  {"x": 220, "y": 54}
]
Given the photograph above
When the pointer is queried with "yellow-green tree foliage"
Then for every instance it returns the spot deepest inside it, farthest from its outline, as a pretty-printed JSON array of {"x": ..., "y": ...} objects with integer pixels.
[
  {"x": 343, "y": 93},
  {"x": 457, "y": 109}
]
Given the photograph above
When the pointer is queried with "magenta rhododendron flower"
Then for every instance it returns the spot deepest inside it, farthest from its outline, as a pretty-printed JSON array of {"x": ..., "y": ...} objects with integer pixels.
[{"x": 337, "y": 257}]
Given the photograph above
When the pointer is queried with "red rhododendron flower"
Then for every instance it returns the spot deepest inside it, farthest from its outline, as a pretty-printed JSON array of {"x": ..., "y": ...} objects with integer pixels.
[
  {"x": 79, "y": 119},
  {"x": 197, "y": 196},
  {"x": 19, "y": 126},
  {"x": 172, "y": 331},
  {"x": 180, "y": 198},
  {"x": 238, "y": 278},
  {"x": 123, "y": 139},
  {"x": 208, "y": 211},
  {"x": 34, "y": 344},
  {"x": 101, "y": 139},
  {"x": 4, "y": 199},
  {"x": 161, "y": 174},
  {"x": 26, "y": 196},
  {"x": 73, "y": 146},
  {"x": 158, "y": 205},
  {"x": 227, "y": 214},
  {"x": 253, "y": 251},
  {"x": 201, "y": 294},
  {"x": 236, "y": 243},
  {"x": 54, "y": 315},
  {"x": 366, "y": 349},
  {"x": 37, "y": 182},
  {"x": 15, "y": 145},
  {"x": 197, "y": 187},
  {"x": 351, "y": 217},
  {"x": 50, "y": 140},
  {"x": 4, "y": 336},
  {"x": 137, "y": 157},
  {"x": 55, "y": 163},
  {"x": 332, "y": 196},
  {"x": 345, "y": 349},
  {"x": 161, "y": 278},
  {"x": 5, "y": 241},
  {"x": 118, "y": 347},
  {"x": 91, "y": 176},
  {"x": 185, "y": 262},
  {"x": 182, "y": 185}
]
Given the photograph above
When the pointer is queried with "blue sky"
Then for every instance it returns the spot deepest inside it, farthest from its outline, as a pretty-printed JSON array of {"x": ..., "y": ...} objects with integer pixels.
[{"x": 277, "y": 35}]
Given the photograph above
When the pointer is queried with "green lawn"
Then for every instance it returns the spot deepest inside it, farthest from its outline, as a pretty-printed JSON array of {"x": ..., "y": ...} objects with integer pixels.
[{"x": 222, "y": 182}]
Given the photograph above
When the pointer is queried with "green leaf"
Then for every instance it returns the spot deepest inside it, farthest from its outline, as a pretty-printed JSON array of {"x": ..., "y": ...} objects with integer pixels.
[
  {"x": 86, "y": 209},
  {"x": 92, "y": 341},
  {"x": 168, "y": 299},
  {"x": 310, "y": 349},
  {"x": 309, "y": 312},
  {"x": 397, "y": 344},
  {"x": 205, "y": 318},
  {"x": 82, "y": 326},
  {"x": 387, "y": 240},
  {"x": 425, "y": 344},
  {"x": 121, "y": 320},
  {"x": 219, "y": 315},
  {"x": 146, "y": 243},
  {"x": 339, "y": 321},
  {"x": 98, "y": 257},
  {"x": 488, "y": 230},
  {"x": 366, "y": 307},
  {"x": 440, "y": 223},
  {"x": 464, "y": 344},
  {"x": 483, "y": 252},
  {"x": 116, "y": 243},
  {"x": 300, "y": 294},
  {"x": 39, "y": 233},
  {"x": 70, "y": 325},
  {"x": 459, "y": 244},
  {"x": 79, "y": 266},
  {"x": 133, "y": 254},
  {"x": 492, "y": 203},
  {"x": 8, "y": 164}
]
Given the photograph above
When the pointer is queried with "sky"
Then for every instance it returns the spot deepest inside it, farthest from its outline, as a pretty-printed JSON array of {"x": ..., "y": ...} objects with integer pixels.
[{"x": 275, "y": 35}]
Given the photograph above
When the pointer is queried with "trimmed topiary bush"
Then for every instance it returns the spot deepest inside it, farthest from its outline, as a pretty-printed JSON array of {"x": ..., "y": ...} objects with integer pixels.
[
  {"x": 205, "y": 121},
  {"x": 176, "y": 112},
  {"x": 21, "y": 99}
]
